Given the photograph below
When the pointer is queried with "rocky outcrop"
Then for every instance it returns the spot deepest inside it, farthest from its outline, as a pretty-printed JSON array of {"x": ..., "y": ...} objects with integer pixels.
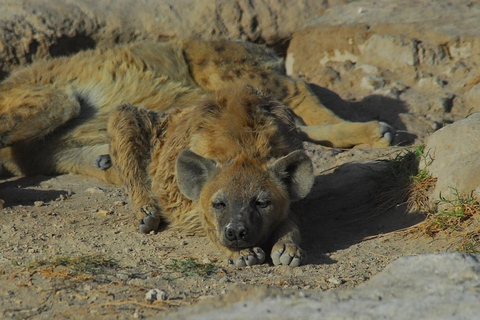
[
  {"x": 35, "y": 29},
  {"x": 443, "y": 286},
  {"x": 406, "y": 62}
]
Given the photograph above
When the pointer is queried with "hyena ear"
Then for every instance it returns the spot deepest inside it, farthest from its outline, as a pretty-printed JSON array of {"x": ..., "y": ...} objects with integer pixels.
[
  {"x": 295, "y": 170},
  {"x": 193, "y": 171}
]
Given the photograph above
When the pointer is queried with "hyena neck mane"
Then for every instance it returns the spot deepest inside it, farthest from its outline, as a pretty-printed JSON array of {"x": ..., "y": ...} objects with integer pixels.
[{"x": 241, "y": 123}]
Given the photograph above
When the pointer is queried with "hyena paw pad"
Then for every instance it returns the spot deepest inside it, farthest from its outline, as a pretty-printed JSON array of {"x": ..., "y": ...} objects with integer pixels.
[
  {"x": 248, "y": 257},
  {"x": 287, "y": 254},
  {"x": 103, "y": 162},
  {"x": 151, "y": 221}
]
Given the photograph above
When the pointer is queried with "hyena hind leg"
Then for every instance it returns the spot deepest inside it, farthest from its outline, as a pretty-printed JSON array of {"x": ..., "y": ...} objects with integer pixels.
[
  {"x": 33, "y": 111},
  {"x": 349, "y": 134},
  {"x": 132, "y": 132}
]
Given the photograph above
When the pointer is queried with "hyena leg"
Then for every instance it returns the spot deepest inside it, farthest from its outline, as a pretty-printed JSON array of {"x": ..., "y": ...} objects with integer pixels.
[
  {"x": 50, "y": 156},
  {"x": 240, "y": 258},
  {"x": 286, "y": 249},
  {"x": 85, "y": 160},
  {"x": 32, "y": 111},
  {"x": 324, "y": 127},
  {"x": 349, "y": 134},
  {"x": 132, "y": 132}
]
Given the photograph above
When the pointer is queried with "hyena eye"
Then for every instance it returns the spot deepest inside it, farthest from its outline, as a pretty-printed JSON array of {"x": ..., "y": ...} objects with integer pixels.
[
  {"x": 218, "y": 205},
  {"x": 262, "y": 204}
]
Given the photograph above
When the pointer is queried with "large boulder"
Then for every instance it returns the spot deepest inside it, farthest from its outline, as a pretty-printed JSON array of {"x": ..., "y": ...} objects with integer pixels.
[
  {"x": 454, "y": 152},
  {"x": 443, "y": 286}
]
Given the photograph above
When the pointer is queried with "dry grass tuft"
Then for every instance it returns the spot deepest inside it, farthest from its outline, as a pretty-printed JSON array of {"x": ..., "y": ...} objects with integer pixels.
[
  {"x": 190, "y": 268},
  {"x": 402, "y": 182},
  {"x": 418, "y": 199},
  {"x": 458, "y": 218},
  {"x": 81, "y": 267}
]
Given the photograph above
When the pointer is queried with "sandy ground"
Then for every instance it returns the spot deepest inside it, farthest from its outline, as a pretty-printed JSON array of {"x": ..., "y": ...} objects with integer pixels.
[
  {"x": 50, "y": 225},
  {"x": 44, "y": 218}
]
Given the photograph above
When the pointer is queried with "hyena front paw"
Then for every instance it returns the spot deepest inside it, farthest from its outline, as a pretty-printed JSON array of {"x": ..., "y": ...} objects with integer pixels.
[
  {"x": 151, "y": 221},
  {"x": 287, "y": 254},
  {"x": 247, "y": 257},
  {"x": 103, "y": 162}
]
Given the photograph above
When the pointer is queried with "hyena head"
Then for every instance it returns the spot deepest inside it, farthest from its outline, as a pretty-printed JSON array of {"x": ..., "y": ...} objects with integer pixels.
[{"x": 245, "y": 199}]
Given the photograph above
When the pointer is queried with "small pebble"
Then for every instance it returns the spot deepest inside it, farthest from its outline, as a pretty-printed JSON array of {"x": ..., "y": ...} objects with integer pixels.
[
  {"x": 104, "y": 213},
  {"x": 156, "y": 294},
  {"x": 88, "y": 287},
  {"x": 334, "y": 280},
  {"x": 94, "y": 190},
  {"x": 123, "y": 277},
  {"x": 38, "y": 203},
  {"x": 224, "y": 280}
]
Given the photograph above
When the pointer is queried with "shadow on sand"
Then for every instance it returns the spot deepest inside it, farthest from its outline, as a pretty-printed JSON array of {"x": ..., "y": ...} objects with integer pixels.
[
  {"x": 16, "y": 192},
  {"x": 344, "y": 207}
]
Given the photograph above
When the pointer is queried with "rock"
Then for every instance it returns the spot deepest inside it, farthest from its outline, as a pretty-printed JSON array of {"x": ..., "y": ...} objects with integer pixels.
[
  {"x": 473, "y": 98},
  {"x": 95, "y": 190},
  {"x": 369, "y": 69},
  {"x": 372, "y": 82},
  {"x": 334, "y": 280},
  {"x": 434, "y": 286},
  {"x": 34, "y": 29},
  {"x": 431, "y": 54},
  {"x": 390, "y": 52},
  {"x": 38, "y": 203},
  {"x": 156, "y": 294},
  {"x": 455, "y": 163},
  {"x": 319, "y": 44},
  {"x": 104, "y": 213},
  {"x": 430, "y": 83}
]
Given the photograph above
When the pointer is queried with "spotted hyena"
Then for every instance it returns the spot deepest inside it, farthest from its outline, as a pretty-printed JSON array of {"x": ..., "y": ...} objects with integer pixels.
[{"x": 206, "y": 136}]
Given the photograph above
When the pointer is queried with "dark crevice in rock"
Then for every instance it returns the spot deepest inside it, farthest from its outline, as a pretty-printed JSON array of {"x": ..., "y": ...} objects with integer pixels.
[{"x": 66, "y": 45}]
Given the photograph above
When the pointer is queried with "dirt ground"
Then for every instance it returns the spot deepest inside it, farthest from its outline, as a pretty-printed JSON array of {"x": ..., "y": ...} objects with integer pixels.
[
  {"x": 49, "y": 224},
  {"x": 69, "y": 248}
]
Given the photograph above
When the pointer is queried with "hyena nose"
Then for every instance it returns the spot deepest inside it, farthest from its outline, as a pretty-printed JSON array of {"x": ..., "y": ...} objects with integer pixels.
[{"x": 236, "y": 231}]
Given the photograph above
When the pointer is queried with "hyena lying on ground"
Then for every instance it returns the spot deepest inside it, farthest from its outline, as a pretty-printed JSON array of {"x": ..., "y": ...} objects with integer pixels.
[{"x": 188, "y": 133}]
